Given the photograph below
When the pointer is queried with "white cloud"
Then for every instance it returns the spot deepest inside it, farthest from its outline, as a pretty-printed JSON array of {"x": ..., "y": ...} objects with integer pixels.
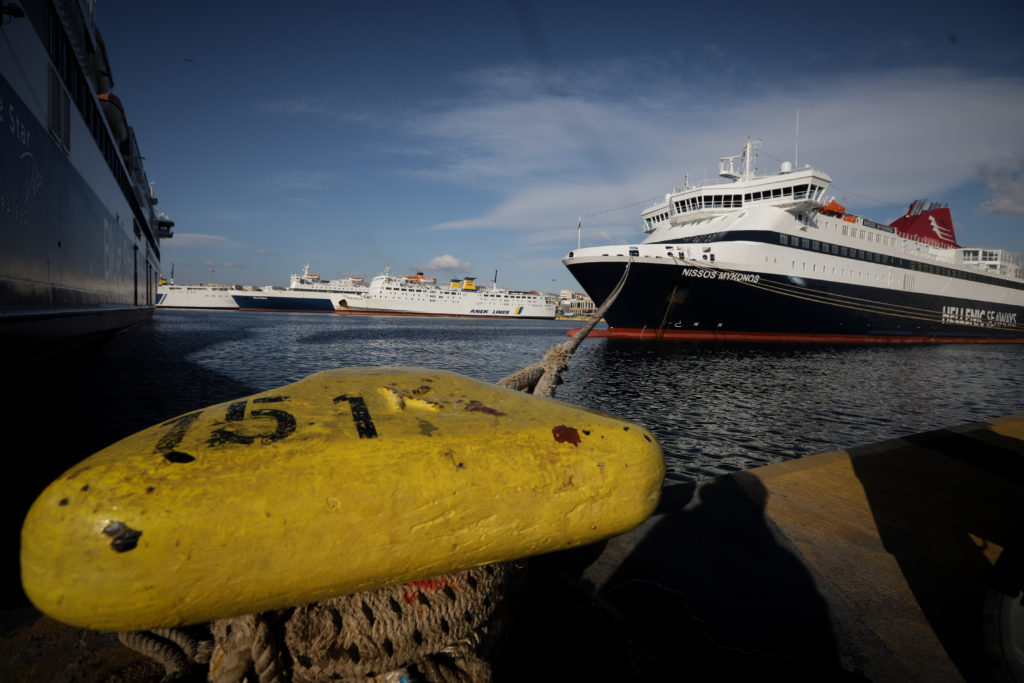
[
  {"x": 447, "y": 263},
  {"x": 1004, "y": 182},
  {"x": 193, "y": 239},
  {"x": 884, "y": 138}
]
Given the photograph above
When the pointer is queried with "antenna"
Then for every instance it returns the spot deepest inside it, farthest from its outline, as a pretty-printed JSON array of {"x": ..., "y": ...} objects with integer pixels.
[{"x": 796, "y": 150}]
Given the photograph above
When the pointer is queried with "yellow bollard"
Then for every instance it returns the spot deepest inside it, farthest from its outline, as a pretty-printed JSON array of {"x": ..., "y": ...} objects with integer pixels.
[{"x": 346, "y": 481}]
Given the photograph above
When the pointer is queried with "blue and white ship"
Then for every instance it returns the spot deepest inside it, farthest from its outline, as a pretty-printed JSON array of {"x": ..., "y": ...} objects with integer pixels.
[
  {"x": 387, "y": 294},
  {"x": 79, "y": 229},
  {"x": 766, "y": 258}
]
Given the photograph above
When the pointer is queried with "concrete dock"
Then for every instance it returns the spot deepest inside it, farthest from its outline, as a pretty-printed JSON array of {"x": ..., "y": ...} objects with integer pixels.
[
  {"x": 871, "y": 563},
  {"x": 883, "y": 562}
]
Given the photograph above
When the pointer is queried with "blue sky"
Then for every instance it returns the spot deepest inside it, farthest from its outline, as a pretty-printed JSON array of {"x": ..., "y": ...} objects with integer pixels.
[{"x": 462, "y": 138}]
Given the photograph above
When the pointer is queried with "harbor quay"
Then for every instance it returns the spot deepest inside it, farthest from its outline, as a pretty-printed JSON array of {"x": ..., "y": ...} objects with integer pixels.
[{"x": 897, "y": 560}]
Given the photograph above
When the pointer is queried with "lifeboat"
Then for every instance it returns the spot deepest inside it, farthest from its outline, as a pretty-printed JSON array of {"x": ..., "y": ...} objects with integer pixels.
[
  {"x": 113, "y": 110},
  {"x": 833, "y": 208}
]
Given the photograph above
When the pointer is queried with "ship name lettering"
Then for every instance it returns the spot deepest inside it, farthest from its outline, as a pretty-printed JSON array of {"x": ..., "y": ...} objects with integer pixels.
[
  {"x": 977, "y": 317},
  {"x": 721, "y": 275},
  {"x": 15, "y": 126}
]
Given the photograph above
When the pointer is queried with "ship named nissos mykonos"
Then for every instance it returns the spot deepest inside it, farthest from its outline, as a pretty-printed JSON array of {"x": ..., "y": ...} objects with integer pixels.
[
  {"x": 765, "y": 258},
  {"x": 79, "y": 230}
]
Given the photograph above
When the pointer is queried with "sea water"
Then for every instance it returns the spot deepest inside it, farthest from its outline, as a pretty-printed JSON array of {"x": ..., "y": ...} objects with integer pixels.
[{"x": 715, "y": 408}]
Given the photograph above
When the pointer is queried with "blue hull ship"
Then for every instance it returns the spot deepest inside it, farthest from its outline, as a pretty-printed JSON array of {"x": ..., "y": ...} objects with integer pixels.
[{"x": 79, "y": 230}]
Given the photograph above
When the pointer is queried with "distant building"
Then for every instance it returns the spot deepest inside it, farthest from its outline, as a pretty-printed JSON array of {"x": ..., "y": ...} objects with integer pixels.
[{"x": 575, "y": 304}]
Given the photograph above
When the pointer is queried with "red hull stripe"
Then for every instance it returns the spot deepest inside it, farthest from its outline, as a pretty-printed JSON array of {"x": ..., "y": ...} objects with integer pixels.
[
  {"x": 793, "y": 338},
  {"x": 403, "y": 313},
  {"x": 438, "y": 315}
]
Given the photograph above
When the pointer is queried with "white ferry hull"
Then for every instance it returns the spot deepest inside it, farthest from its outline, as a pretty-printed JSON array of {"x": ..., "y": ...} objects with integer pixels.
[
  {"x": 183, "y": 296},
  {"x": 468, "y": 305}
]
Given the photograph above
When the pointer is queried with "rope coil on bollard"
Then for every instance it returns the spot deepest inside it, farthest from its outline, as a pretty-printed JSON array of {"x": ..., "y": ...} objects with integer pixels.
[{"x": 438, "y": 630}]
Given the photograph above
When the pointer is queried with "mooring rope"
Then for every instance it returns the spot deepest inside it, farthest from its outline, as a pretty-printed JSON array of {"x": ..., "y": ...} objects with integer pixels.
[
  {"x": 541, "y": 378},
  {"x": 438, "y": 630}
]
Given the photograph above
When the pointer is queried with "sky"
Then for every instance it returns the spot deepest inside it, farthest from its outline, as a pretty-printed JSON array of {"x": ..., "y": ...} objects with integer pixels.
[{"x": 464, "y": 138}]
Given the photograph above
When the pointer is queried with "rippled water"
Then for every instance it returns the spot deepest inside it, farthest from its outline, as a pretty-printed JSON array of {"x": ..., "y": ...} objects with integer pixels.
[{"x": 715, "y": 408}]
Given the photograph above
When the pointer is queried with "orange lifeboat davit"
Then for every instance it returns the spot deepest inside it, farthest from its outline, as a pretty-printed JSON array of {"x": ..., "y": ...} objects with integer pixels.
[{"x": 833, "y": 208}]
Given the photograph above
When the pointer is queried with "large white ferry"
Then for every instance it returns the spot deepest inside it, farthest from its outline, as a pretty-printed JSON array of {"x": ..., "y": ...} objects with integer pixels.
[
  {"x": 212, "y": 297},
  {"x": 766, "y": 258},
  {"x": 418, "y": 295},
  {"x": 79, "y": 230}
]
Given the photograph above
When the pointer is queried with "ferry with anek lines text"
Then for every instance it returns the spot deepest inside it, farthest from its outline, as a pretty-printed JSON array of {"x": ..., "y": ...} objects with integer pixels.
[{"x": 766, "y": 258}]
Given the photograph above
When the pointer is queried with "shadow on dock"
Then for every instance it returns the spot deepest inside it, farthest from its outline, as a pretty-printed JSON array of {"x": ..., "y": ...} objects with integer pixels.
[{"x": 876, "y": 563}]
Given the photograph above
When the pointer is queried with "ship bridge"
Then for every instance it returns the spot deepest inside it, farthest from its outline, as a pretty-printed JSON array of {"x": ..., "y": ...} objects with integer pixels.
[{"x": 790, "y": 190}]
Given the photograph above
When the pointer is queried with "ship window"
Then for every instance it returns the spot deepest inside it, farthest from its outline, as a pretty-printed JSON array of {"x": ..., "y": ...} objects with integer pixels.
[
  {"x": 746, "y": 197},
  {"x": 804, "y": 243},
  {"x": 815, "y": 245},
  {"x": 835, "y": 248},
  {"x": 800, "y": 192},
  {"x": 787, "y": 192},
  {"x": 783, "y": 240},
  {"x": 843, "y": 251}
]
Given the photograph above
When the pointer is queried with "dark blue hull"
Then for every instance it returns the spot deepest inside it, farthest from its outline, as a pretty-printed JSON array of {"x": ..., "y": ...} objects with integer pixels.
[
  {"x": 79, "y": 238},
  {"x": 661, "y": 301},
  {"x": 251, "y": 302}
]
